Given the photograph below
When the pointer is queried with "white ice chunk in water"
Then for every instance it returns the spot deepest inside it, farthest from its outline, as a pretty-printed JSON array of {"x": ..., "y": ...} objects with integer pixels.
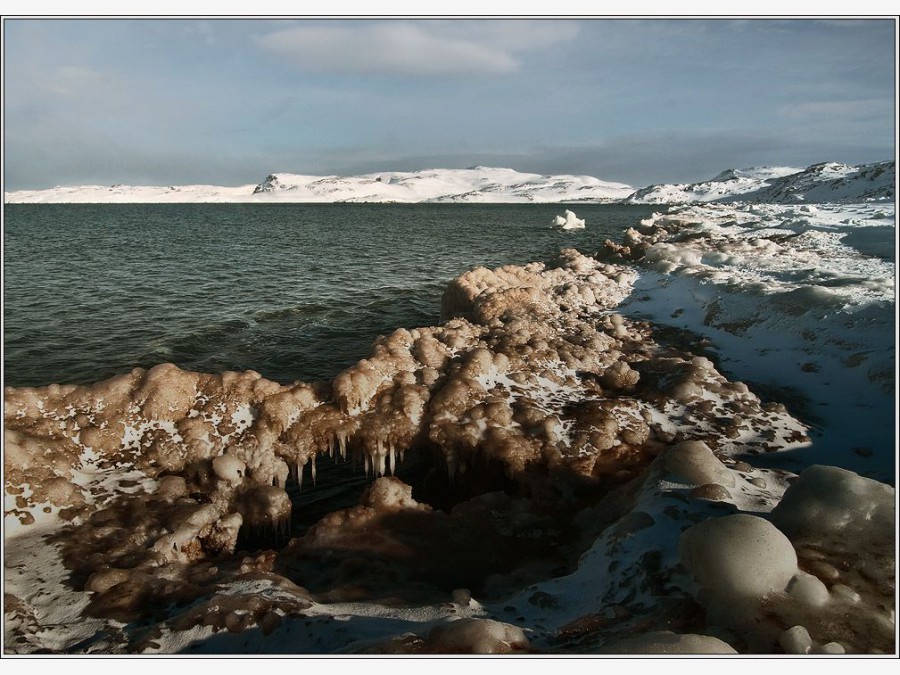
[{"x": 570, "y": 222}]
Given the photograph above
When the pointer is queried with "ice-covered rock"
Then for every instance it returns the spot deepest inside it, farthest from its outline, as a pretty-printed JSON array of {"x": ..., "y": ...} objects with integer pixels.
[
  {"x": 738, "y": 557},
  {"x": 667, "y": 642}
]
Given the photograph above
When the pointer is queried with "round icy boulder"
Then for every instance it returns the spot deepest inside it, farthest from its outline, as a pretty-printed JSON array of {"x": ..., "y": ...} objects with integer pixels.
[
  {"x": 693, "y": 462},
  {"x": 666, "y": 642},
  {"x": 738, "y": 557},
  {"x": 476, "y": 636},
  {"x": 827, "y": 505},
  {"x": 808, "y": 590}
]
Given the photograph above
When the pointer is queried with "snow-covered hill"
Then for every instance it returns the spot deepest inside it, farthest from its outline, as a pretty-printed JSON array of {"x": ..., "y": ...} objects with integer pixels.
[
  {"x": 477, "y": 184},
  {"x": 831, "y": 182},
  {"x": 826, "y": 182},
  {"x": 728, "y": 184},
  {"x": 131, "y": 194}
]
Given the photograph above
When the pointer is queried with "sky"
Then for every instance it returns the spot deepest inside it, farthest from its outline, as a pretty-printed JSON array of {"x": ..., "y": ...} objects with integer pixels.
[{"x": 226, "y": 102}]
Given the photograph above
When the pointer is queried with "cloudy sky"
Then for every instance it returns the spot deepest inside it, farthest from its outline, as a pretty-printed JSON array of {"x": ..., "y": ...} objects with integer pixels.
[{"x": 639, "y": 101}]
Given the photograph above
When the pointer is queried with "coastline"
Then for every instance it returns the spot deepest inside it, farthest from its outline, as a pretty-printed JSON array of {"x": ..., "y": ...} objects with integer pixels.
[{"x": 541, "y": 399}]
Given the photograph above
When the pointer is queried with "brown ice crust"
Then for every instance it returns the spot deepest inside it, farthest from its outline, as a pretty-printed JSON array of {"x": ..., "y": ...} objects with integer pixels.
[
  {"x": 547, "y": 384},
  {"x": 532, "y": 376}
]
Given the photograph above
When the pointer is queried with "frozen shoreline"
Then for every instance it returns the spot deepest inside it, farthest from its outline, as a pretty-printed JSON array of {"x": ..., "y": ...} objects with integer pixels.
[
  {"x": 539, "y": 386},
  {"x": 813, "y": 317}
]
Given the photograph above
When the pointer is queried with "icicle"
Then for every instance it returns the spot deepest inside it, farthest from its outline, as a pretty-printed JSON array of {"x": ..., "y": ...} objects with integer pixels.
[
  {"x": 342, "y": 444},
  {"x": 391, "y": 455},
  {"x": 331, "y": 447},
  {"x": 402, "y": 453},
  {"x": 300, "y": 476},
  {"x": 376, "y": 458},
  {"x": 366, "y": 459},
  {"x": 313, "y": 469},
  {"x": 283, "y": 525},
  {"x": 451, "y": 466}
]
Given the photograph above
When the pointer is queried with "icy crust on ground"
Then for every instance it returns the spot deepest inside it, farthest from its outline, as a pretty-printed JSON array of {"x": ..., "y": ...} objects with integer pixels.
[
  {"x": 817, "y": 253},
  {"x": 557, "y": 452},
  {"x": 798, "y": 299}
]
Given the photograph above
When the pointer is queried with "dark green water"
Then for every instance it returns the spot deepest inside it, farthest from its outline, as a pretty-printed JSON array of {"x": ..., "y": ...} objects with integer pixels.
[{"x": 291, "y": 291}]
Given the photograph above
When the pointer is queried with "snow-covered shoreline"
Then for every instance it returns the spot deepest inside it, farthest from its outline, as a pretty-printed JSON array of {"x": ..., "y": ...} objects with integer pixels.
[{"x": 799, "y": 300}]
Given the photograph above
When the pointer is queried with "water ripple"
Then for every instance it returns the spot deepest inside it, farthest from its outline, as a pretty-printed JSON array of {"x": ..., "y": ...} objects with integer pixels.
[{"x": 292, "y": 291}]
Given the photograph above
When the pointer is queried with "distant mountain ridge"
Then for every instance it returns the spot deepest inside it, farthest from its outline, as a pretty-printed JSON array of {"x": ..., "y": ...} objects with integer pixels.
[
  {"x": 477, "y": 184},
  {"x": 825, "y": 182}
]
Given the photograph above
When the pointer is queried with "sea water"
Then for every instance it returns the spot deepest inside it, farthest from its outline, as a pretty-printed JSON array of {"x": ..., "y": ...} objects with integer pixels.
[{"x": 294, "y": 292}]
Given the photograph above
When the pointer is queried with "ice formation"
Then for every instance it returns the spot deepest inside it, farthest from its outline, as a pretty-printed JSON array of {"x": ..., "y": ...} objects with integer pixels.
[
  {"x": 569, "y": 221},
  {"x": 546, "y": 476}
]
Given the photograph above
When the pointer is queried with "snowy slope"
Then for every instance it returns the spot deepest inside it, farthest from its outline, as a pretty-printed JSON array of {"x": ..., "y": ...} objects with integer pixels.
[
  {"x": 477, "y": 184},
  {"x": 728, "y": 184},
  {"x": 828, "y": 182},
  {"x": 831, "y": 182}
]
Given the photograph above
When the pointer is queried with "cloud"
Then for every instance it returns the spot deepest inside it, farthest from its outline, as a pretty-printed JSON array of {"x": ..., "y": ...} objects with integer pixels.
[
  {"x": 69, "y": 80},
  {"x": 843, "y": 110},
  {"x": 442, "y": 48},
  {"x": 636, "y": 159}
]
